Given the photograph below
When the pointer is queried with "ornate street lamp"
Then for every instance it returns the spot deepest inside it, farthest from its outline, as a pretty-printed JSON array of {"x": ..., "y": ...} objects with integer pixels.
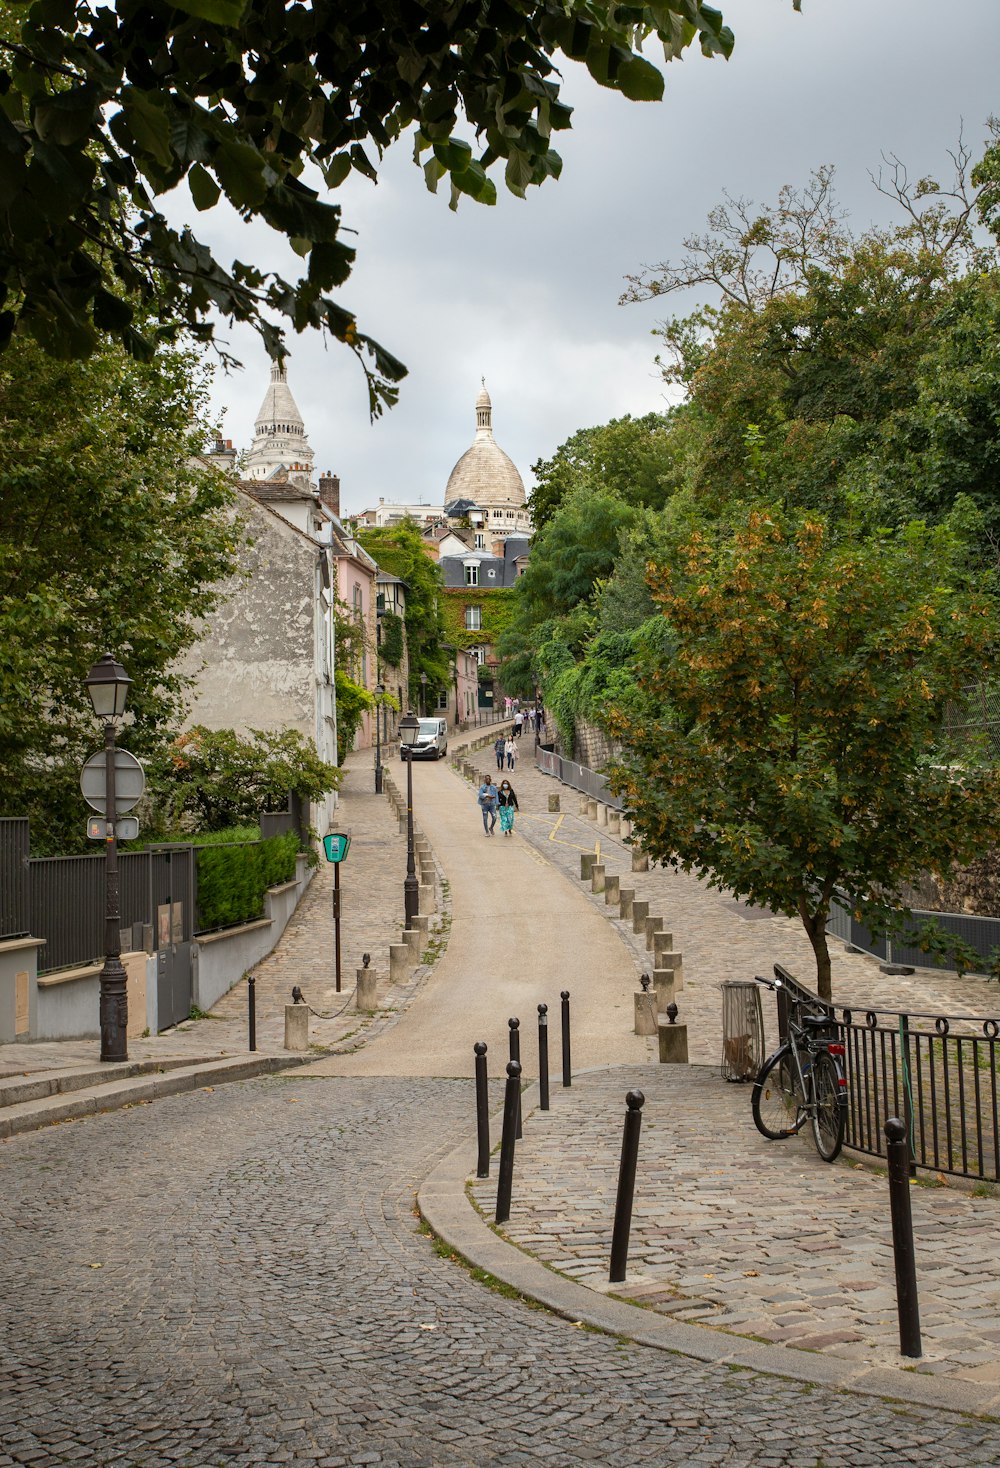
[
  {"x": 108, "y": 685},
  {"x": 379, "y": 694},
  {"x": 409, "y": 728},
  {"x": 423, "y": 694}
]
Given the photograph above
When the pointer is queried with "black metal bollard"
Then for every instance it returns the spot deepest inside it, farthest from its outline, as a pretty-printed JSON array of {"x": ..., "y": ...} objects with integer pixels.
[
  {"x": 252, "y": 1010},
  {"x": 482, "y": 1110},
  {"x": 898, "y": 1156},
  {"x": 510, "y": 1103},
  {"x": 543, "y": 1056},
  {"x": 635, "y": 1101},
  {"x": 514, "y": 1026},
  {"x": 567, "y": 1071}
]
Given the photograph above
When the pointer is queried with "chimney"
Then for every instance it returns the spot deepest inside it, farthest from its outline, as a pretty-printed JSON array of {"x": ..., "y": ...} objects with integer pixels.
[{"x": 329, "y": 492}]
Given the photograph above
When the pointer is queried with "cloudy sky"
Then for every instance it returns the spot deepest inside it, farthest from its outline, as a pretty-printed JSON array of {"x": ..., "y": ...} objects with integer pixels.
[{"x": 526, "y": 294}]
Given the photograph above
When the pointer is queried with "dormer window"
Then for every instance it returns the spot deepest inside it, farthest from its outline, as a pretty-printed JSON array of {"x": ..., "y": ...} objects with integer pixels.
[{"x": 471, "y": 573}]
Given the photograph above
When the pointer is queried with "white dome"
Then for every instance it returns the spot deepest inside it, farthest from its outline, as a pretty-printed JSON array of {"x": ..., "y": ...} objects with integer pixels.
[{"x": 484, "y": 473}]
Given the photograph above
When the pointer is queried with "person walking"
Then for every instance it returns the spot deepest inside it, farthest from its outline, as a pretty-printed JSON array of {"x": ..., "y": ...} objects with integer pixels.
[
  {"x": 488, "y": 804},
  {"x": 507, "y": 802},
  {"x": 499, "y": 749},
  {"x": 518, "y": 721},
  {"x": 510, "y": 750}
]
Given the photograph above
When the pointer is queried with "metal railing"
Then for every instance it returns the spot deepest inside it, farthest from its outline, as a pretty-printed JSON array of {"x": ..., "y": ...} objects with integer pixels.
[
  {"x": 15, "y": 915},
  {"x": 940, "y": 1073},
  {"x": 577, "y": 776},
  {"x": 980, "y": 933}
]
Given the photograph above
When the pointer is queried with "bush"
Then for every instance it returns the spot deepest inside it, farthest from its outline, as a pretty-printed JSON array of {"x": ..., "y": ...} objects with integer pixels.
[{"x": 233, "y": 878}]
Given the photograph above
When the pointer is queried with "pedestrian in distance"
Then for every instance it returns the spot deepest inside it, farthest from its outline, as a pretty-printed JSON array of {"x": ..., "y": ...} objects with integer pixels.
[
  {"x": 499, "y": 749},
  {"x": 507, "y": 802},
  {"x": 510, "y": 750},
  {"x": 488, "y": 804},
  {"x": 518, "y": 721}
]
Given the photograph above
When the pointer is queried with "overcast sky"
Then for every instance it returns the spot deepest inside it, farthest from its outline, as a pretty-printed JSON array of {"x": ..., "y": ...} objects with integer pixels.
[{"x": 525, "y": 294}]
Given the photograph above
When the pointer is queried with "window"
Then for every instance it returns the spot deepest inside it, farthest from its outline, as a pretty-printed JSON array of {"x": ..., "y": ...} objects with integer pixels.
[
  {"x": 473, "y": 619},
  {"x": 471, "y": 573},
  {"x": 492, "y": 573},
  {"x": 480, "y": 541},
  {"x": 442, "y": 700}
]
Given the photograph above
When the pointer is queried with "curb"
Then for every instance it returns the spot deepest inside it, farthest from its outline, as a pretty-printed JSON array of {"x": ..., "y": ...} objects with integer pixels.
[
  {"x": 30, "y": 1116},
  {"x": 445, "y": 1207}
]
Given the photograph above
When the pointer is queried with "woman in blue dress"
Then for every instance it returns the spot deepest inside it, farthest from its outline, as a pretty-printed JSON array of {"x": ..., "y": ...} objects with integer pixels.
[{"x": 507, "y": 803}]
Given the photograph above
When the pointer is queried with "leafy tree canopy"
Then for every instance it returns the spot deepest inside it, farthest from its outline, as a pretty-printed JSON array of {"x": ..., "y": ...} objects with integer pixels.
[
  {"x": 634, "y": 458},
  {"x": 399, "y": 549},
  {"x": 784, "y": 742},
  {"x": 110, "y": 539},
  {"x": 104, "y": 108}
]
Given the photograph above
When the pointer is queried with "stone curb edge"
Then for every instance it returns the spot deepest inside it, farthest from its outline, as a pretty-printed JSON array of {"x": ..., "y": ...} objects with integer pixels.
[
  {"x": 31, "y": 1116},
  {"x": 445, "y": 1207}
]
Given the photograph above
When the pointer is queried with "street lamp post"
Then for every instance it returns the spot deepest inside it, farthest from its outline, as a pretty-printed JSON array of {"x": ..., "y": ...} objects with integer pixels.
[
  {"x": 408, "y": 730},
  {"x": 379, "y": 691},
  {"x": 108, "y": 685},
  {"x": 423, "y": 695}
]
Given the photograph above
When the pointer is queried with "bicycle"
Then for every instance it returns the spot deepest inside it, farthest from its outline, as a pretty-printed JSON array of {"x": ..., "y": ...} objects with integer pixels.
[{"x": 803, "y": 1080}]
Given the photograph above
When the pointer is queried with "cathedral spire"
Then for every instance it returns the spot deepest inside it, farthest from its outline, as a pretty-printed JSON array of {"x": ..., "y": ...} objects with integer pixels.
[
  {"x": 484, "y": 414},
  {"x": 280, "y": 440}
]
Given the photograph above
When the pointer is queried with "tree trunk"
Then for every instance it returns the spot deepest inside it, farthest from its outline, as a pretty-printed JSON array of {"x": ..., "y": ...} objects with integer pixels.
[{"x": 815, "y": 926}]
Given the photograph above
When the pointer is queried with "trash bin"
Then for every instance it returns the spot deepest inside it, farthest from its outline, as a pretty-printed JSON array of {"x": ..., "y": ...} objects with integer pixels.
[{"x": 742, "y": 1030}]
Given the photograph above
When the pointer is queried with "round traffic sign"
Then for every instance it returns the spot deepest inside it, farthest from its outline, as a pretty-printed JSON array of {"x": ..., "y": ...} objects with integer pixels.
[{"x": 130, "y": 782}]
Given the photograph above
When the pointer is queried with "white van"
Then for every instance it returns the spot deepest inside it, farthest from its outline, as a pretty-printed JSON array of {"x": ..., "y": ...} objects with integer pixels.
[{"x": 431, "y": 741}]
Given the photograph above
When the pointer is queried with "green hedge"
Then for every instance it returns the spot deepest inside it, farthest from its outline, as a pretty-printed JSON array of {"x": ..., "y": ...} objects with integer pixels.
[{"x": 232, "y": 879}]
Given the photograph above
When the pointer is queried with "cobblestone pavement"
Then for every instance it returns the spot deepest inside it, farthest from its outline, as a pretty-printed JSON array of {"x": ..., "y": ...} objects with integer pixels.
[
  {"x": 240, "y": 1280},
  {"x": 757, "y": 1238}
]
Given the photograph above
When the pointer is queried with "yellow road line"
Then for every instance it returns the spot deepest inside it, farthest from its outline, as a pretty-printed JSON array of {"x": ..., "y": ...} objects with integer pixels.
[{"x": 552, "y": 833}]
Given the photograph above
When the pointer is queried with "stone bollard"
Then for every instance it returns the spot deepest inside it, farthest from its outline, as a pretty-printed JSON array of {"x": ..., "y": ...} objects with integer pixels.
[
  {"x": 592, "y": 810},
  {"x": 640, "y": 912},
  {"x": 646, "y": 1021},
  {"x": 652, "y": 925},
  {"x": 611, "y": 890},
  {"x": 624, "y": 828},
  {"x": 662, "y": 943},
  {"x": 673, "y": 1043},
  {"x": 296, "y": 1027},
  {"x": 428, "y": 900},
  {"x": 587, "y": 862},
  {"x": 584, "y": 805},
  {"x": 665, "y": 989},
  {"x": 602, "y": 813},
  {"x": 367, "y": 992},
  {"x": 640, "y": 861},
  {"x": 626, "y": 896},
  {"x": 554, "y": 803},
  {"x": 412, "y": 937},
  {"x": 597, "y": 877},
  {"x": 422, "y": 923},
  {"x": 614, "y": 823},
  {"x": 400, "y": 962},
  {"x": 402, "y": 824},
  {"x": 670, "y": 963}
]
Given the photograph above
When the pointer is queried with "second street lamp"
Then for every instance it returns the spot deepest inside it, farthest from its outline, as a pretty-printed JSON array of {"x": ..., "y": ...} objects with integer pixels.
[{"x": 408, "y": 731}]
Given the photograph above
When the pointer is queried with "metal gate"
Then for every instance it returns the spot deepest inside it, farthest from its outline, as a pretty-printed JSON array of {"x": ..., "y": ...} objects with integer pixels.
[{"x": 171, "y": 878}]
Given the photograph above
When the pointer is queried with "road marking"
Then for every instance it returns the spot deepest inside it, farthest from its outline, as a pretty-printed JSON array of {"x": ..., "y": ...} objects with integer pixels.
[
  {"x": 572, "y": 845},
  {"x": 552, "y": 833}
]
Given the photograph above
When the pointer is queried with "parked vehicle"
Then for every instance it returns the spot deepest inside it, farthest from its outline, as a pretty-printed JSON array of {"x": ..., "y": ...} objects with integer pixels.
[{"x": 431, "y": 741}]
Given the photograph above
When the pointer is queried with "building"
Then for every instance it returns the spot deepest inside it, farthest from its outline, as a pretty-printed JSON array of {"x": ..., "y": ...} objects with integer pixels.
[
  {"x": 279, "y": 441},
  {"x": 485, "y": 487},
  {"x": 391, "y": 513}
]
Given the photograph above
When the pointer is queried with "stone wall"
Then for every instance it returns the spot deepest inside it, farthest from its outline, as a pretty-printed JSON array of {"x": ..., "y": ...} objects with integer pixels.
[
  {"x": 974, "y": 889},
  {"x": 593, "y": 748}
]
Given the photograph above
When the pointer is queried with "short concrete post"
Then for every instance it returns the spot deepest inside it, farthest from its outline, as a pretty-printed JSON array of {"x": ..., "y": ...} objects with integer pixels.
[
  {"x": 673, "y": 1040},
  {"x": 646, "y": 1022},
  {"x": 626, "y": 896},
  {"x": 624, "y": 828},
  {"x": 597, "y": 877},
  {"x": 602, "y": 813},
  {"x": 665, "y": 989},
  {"x": 592, "y": 810},
  {"x": 611, "y": 889},
  {"x": 640, "y": 861},
  {"x": 662, "y": 943},
  {"x": 553, "y": 803},
  {"x": 423, "y": 922},
  {"x": 428, "y": 901},
  {"x": 412, "y": 937},
  {"x": 587, "y": 863},
  {"x": 640, "y": 911},
  {"x": 296, "y": 1027},
  {"x": 584, "y": 805},
  {"x": 367, "y": 992},
  {"x": 614, "y": 822},
  {"x": 672, "y": 963},
  {"x": 402, "y": 825},
  {"x": 400, "y": 962},
  {"x": 652, "y": 925}
]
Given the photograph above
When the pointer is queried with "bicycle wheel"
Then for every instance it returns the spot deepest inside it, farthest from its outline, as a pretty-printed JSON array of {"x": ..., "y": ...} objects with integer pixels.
[
  {"x": 777, "y": 1103},
  {"x": 829, "y": 1117}
]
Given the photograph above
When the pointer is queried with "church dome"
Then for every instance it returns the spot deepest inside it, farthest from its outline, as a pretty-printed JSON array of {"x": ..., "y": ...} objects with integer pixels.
[{"x": 485, "y": 474}]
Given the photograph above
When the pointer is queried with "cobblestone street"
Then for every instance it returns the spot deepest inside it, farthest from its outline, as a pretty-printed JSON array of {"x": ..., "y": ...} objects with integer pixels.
[{"x": 237, "y": 1277}]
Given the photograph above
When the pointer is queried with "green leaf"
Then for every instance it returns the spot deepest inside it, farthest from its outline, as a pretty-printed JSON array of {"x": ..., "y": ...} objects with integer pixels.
[
  {"x": 639, "y": 80},
  {"x": 220, "y": 12},
  {"x": 146, "y": 119},
  {"x": 67, "y": 117},
  {"x": 204, "y": 190},
  {"x": 240, "y": 170}
]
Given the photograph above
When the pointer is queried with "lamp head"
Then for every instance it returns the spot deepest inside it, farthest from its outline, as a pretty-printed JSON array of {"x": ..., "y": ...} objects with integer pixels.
[
  {"x": 409, "y": 728},
  {"x": 108, "y": 685}
]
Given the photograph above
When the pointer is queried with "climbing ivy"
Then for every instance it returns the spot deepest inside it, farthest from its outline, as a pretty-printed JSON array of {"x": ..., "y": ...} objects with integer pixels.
[
  {"x": 393, "y": 644},
  {"x": 497, "y": 606}
]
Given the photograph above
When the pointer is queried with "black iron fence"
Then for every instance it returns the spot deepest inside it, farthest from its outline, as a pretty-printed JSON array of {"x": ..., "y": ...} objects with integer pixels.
[
  {"x": 15, "y": 917},
  {"x": 939, "y": 1073}
]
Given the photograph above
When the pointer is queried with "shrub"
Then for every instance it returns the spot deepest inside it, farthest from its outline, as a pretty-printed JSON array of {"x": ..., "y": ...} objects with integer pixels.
[{"x": 233, "y": 878}]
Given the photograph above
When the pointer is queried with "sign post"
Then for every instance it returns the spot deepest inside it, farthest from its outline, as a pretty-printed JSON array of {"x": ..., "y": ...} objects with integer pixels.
[{"x": 335, "y": 848}]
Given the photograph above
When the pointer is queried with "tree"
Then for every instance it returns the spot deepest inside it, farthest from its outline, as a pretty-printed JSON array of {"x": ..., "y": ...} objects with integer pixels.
[
  {"x": 785, "y": 746},
  {"x": 399, "y": 549},
  {"x": 104, "y": 108},
  {"x": 110, "y": 539},
  {"x": 634, "y": 458}
]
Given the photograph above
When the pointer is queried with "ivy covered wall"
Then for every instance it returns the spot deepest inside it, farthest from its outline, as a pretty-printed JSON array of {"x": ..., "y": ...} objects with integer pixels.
[{"x": 496, "y": 605}]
